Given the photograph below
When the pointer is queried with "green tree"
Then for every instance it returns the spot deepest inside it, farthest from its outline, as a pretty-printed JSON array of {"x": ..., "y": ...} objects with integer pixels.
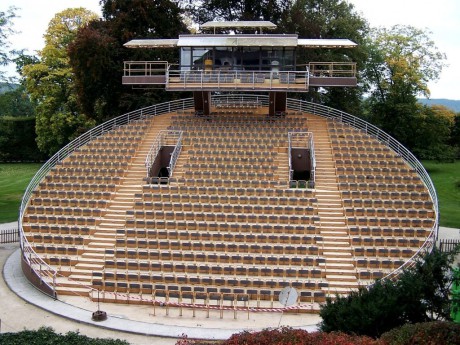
[
  {"x": 232, "y": 10},
  {"x": 402, "y": 60},
  {"x": 6, "y": 29},
  {"x": 432, "y": 134},
  {"x": 421, "y": 293},
  {"x": 97, "y": 55},
  {"x": 50, "y": 83},
  {"x": 16, "y": 103}
]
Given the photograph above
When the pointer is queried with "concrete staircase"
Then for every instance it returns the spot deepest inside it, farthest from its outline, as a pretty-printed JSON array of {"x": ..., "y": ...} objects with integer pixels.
[{"x": 339, "y": 264}]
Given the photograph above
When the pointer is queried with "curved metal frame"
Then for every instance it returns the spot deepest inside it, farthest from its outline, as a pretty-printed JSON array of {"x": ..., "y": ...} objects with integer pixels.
[{"x": 33, "y": 260}]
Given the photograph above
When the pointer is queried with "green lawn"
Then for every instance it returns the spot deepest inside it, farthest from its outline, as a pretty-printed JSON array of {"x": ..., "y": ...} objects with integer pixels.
[
  {"x": 446, "y": 179},
  {"x": 14, "y": 179}
]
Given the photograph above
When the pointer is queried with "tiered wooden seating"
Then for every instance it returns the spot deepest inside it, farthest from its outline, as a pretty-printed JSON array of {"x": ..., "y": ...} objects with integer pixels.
[
  {"x": 388, "y": 208},
  {"x": 69, "y": 203},
  {"x": 226, "y": 226}
]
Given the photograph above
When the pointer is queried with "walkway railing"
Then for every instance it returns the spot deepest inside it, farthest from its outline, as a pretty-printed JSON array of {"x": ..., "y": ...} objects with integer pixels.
[{"x": 44, "y": 269}]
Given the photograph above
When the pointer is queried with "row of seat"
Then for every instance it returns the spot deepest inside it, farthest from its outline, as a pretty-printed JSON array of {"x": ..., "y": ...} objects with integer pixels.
[
  {"x": 382, "y": 186},
  {"x": 202, "y": 191},
  {"x": 57, "y": 229},
  {"x": 385, "y": 242},
  {"x": 66, "y": 202},
  {"x": 78, "y": 171},
  {"x": 218, "y": 236},
  {"x": 261, "y": 219},
  {"x": 100, "y": 187},
  {"x": 120, "y": 257},
  {"x": 204, "y": 226},
  {"x": 237, "y": 174},
  {"x": 389, "y": 203},
  {"x": 387, "y": 163},
  {"x": 393, "y": 222},
  {"x": 65, "y": 211},
  {"x": 391, "y": 179},
  {"x": 234, "y": 167},
  {"x": 366, "y": 149},
  {"x": 205, "y": 269},
  {"x": 63, "y": 220},
  {"x": 98, "y": 179},
  {"x": 94, "y": 164},
  {"x": 57, "y": 239},
  {"x": 233, "y": 207},
  {"x": 393, "y": 232},
  {"x": 386, "y": 195},
  {"x": 263, "y": 151},
  {"x": 374, "y": 170},
  {"x": 389, "y": 212},
  {"x": 189, "y": 139},
  {"x": 368, "y": 252},
  {"x": 219, "y": 182},
  {"x": 200, "y": 294},
  {"x": 229, "y": 160},
  {"x": 72, "y": 194}
]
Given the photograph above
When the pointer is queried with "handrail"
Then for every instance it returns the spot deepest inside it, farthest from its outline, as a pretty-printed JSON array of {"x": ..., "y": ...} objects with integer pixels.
[
  {"x": 168, "y": 107},
  {"x": 175, "y": 155},
  {"x": 306, "y": 140}
]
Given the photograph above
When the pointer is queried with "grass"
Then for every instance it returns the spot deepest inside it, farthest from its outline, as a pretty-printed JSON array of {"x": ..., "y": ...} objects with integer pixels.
[
  {"x": 446, "y": 179},
  {"x": 14, "y": 179}
]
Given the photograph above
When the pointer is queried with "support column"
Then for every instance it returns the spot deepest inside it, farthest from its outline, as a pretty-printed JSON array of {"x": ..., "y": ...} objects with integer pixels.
[
  {"x": 202, "y": 102},
  {"x": 277, "y": 103}
]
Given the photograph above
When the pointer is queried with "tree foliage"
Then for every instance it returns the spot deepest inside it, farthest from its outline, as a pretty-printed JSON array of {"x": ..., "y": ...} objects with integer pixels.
[
  {"x": 402, "y": 60},
  {"x": 420, "y": 294},
  {"x": 97, "y": 55},
  {"x": 6, "y": 29},
  {"x": 50, "y": 82}
]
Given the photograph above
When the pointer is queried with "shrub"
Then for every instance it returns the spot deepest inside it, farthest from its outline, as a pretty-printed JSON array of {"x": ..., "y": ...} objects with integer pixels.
[{"x": 427, "y": 333}]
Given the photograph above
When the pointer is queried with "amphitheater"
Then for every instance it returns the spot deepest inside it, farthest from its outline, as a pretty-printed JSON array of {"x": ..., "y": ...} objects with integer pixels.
[
  {"x": 229, "y": 225},
  {"x": 179, "y": 209}
]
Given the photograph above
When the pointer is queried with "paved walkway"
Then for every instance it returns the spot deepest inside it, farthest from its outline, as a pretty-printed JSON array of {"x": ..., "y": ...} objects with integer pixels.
[{"x": 27, "y": 308}]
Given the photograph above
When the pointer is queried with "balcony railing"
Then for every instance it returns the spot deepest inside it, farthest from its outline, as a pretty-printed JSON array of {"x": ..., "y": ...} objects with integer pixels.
[{"x": 223, "y": 79}]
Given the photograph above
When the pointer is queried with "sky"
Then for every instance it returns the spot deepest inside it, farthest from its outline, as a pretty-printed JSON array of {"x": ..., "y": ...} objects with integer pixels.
[{"x": 441, "y": 17}]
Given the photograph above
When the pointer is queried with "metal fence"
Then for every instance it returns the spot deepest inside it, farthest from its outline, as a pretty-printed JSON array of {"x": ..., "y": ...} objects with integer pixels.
[
  {"x": 9, "y": 236},
  {"x": 448, "y": 245}
]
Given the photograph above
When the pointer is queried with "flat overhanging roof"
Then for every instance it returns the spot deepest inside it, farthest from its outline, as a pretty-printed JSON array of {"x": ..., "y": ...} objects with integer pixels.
[
  {"x": 208, "y": 41},
  {"x": 325, "y": 43},
  {"x": 152, "y": 43},
  {"x": 238, "y": 25}
]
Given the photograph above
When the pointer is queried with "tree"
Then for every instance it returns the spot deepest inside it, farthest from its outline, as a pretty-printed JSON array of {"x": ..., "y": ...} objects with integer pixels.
[
  {"x": 16, "y": 103},
  {"x": 97, "y": 55},
  {"x": 232, "y": 10},
  {"x": 421, "y": 293},
  {"x": 330, "y": 19},
  {"x": 6, "y": 29},
  {"x": 50, "y": 83},
  {"x": 432, "y": 133},
  {"x": 402, "y": 60}
]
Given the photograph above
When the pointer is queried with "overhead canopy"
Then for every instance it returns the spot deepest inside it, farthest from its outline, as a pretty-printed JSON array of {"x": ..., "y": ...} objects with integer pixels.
[
  {"x": 325, "y": 43},
  {"x": 152, "y": 43},
  {"x": 240, "y": 41},
  {"x": 239, "y": 25},
  {"x": 237, "y": 41}
]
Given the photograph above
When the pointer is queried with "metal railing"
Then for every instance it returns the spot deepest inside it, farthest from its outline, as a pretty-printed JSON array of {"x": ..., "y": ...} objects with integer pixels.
[
  {"x": 165, "y": 137},
  {"x": 302, "y": 140},
  {"x": 332, "y": 69},
  {"x": 44, "y": 269},
  {"x": 237, "y": 79},
  {"x": 175, "y": 154}
]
